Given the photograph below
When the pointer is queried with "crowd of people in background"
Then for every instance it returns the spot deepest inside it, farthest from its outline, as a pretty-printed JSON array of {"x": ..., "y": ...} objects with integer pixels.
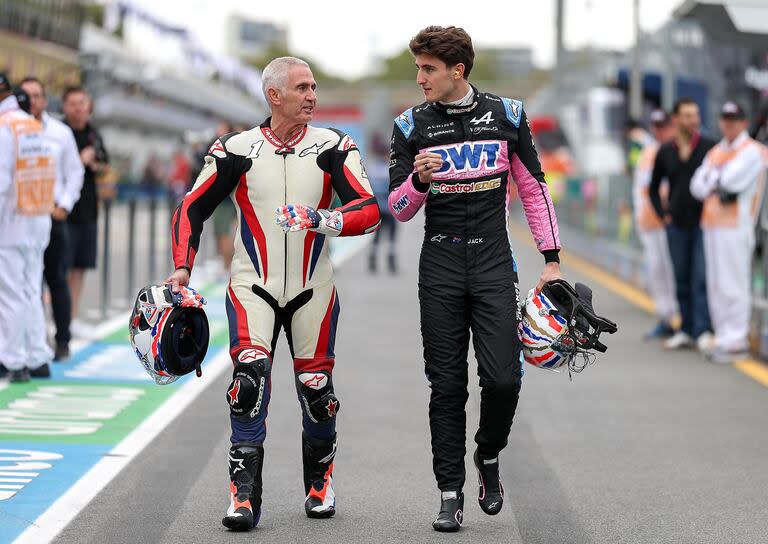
[
  {"x": 696, "y": 203},
  {"x": 52, "y": 166}
]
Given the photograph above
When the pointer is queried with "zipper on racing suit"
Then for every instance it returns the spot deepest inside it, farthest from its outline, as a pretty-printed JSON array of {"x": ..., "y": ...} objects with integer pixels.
[{"x": 285, "y": 234}]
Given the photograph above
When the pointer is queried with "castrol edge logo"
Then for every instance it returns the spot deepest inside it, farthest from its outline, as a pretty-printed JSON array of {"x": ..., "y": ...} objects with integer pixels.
[{"x": 473, "y": 187}]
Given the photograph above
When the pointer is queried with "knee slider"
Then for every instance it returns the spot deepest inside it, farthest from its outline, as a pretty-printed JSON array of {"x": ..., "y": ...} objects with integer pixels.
[
  {"x": 245, "y": 394},
  {"x": 317, "y": 396}
]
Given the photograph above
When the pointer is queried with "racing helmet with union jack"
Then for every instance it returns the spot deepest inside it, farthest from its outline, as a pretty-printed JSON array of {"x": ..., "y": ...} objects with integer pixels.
[
  {"x": 558, "y": 324},
  {"x": 169, "y": 332}
]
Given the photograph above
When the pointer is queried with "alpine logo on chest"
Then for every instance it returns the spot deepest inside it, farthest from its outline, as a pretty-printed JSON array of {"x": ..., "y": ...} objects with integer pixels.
[{"x": 468, "y": 156}]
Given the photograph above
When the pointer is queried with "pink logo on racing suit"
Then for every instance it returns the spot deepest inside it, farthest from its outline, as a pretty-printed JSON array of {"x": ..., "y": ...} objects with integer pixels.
[{"x": 466, "y": 160}]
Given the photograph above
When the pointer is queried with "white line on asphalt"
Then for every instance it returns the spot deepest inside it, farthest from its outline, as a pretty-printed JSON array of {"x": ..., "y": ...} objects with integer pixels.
[{"x": 51, "y": 522}]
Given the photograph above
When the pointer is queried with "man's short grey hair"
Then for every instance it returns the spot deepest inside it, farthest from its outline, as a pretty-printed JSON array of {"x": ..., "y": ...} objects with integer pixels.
[{"x": 275, "y": 74}]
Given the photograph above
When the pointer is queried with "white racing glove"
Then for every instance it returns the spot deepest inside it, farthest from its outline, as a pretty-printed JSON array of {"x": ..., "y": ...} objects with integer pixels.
[{"x": 297, "y": 217}]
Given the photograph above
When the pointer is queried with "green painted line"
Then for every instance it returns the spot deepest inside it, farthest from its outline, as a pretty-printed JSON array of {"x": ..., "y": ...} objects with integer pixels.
[{"x": 66, "y": 412}]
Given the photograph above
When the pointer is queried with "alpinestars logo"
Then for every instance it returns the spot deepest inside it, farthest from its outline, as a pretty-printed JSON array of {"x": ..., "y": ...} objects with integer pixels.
[
  {"x": 313, "y": 380},
  {"x": 217, "y": 150},
  {"x": 332, "y": 406},
  {"x": 346, "y": 143},
  {"x": 313, "y": 149},
  {"x": 249, "y": 355},
  {"x": 234, "y": 392},
  {"x": 236, "y": 463}
]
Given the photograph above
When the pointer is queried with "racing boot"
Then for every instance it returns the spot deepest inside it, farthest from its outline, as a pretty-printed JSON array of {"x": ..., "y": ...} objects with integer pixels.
[
  {"x": 491, "y": 493},
  {"x": 318, "y": 458},
  {"x": 451, "y": 514},
  {"x": 245, "y": 462}
]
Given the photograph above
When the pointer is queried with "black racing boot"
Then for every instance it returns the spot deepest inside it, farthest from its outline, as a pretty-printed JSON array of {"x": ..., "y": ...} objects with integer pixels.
[
  {"x": 451, "y": 514},
  {"x": 491, "y": 492},
  {"x": 318, "y": 458},
  {"x": 245, "y": 462}
]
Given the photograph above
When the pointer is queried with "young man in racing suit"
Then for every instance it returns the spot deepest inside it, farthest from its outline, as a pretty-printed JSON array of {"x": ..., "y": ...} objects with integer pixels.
[
  {"x": 281, "y": 273},
  {"x": 456, "y": 153}
]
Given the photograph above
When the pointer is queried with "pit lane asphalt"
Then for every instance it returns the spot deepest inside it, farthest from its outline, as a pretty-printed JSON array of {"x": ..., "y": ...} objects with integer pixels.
[{"x": 642, "y": 447}]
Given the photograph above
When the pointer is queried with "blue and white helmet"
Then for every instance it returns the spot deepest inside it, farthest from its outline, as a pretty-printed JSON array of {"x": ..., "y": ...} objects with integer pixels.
[
  {"x": 558, "y": 324},
  {"x": 169, "y": 332}
]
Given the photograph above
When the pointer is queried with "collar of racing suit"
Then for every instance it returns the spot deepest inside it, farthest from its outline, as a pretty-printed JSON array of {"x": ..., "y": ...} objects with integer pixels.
[
  {"x": 465, "y": 101},
  {"x": 454, "y": 109}
]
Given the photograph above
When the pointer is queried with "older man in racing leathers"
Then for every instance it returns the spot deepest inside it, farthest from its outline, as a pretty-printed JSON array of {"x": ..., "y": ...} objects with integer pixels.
[
  {"x": 281, "y": 273},
  {"x": 455, "y": 154}
]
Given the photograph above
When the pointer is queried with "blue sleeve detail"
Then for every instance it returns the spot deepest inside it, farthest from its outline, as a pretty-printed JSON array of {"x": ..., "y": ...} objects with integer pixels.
[
  {"x": 405, "y": 122},
  {"x": 514, "y": 109}
]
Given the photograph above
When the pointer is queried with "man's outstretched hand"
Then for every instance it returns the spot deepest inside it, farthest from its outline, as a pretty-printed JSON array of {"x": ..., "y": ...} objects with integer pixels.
[
  {"x": 295, "y": 217},
  {"x": 298, "y": 217}
]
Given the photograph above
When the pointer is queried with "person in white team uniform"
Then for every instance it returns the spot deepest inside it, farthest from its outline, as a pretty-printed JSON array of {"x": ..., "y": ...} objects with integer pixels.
[
  {"x": 69, "y": 181},
  {"x": 650, "y": 230},
  {"x": 730, "y": 182},
  {"x": 27, "y": 177}
]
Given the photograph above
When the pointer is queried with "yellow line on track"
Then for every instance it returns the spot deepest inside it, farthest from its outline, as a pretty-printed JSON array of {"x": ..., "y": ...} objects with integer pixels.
[{"x": 752, "y": 368}]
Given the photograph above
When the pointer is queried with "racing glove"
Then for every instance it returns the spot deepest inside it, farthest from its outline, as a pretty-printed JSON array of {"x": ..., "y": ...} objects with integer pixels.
[{"x": 297, "y": 217}]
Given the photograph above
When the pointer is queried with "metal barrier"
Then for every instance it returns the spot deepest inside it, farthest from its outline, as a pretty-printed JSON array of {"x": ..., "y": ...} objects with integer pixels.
[
  {"x": 760, "y": 282},
  {"x": 135, "y": 250},
  {"x": 601, "y": 208}
]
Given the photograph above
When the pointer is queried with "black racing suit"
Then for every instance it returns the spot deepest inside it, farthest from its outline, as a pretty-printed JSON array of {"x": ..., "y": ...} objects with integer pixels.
[{"x": 467, "y": 272}]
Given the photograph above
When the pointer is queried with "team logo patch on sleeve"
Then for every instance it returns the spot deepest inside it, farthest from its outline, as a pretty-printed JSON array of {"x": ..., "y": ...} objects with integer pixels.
[
  {"x": 405, "y": 122},
  {"x": 401, "y": 204},
  {"x": 514, "y": 110}
]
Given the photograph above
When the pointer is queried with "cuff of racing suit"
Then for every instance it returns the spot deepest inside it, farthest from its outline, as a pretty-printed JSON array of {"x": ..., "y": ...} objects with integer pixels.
[
  {"x": 551, "y": 255},
  {"x": 185, "y": 267},
  {"x": 417, "y": 184}
]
